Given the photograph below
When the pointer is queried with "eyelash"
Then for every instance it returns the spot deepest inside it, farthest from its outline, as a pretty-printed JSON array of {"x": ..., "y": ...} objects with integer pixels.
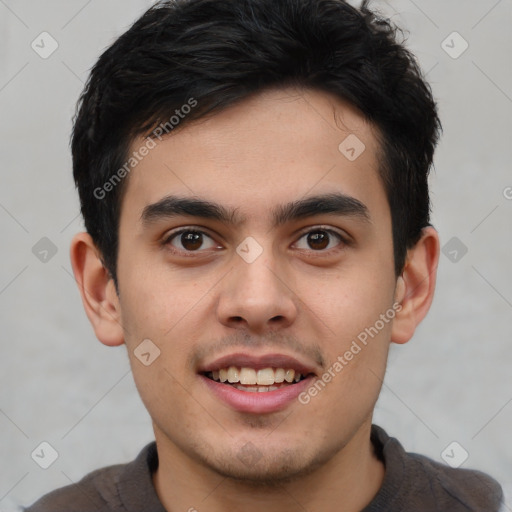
[{"x": 344, "y": 241}]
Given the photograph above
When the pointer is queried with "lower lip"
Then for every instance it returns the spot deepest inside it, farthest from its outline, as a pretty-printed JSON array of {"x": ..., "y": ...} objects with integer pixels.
[{"x": 255, "y": 402}]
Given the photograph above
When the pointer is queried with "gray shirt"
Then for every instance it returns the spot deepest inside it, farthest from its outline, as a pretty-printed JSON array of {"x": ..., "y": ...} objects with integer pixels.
[{"x": 412, "y": 483}]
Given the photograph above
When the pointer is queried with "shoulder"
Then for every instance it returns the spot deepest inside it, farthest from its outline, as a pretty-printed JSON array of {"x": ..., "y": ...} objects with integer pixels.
[
  {"x": 468, "y": 489},
  {"x": 94, "y": 492},
  {"x": 105, "y": 489},
  {"x": 416, "y": 482}
]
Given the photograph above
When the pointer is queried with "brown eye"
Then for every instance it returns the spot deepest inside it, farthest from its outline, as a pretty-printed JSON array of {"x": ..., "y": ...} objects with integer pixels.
[
  {"x": 189, "y": 240},
  {"x": 320, "y": 240}
]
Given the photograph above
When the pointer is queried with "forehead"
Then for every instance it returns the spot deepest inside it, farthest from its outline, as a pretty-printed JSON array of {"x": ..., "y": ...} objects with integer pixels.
[{"x": 274, "y": 148}]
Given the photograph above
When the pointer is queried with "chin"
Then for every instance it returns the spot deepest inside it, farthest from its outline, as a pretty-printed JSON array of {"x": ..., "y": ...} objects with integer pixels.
[{"x": 254, "y": 468}]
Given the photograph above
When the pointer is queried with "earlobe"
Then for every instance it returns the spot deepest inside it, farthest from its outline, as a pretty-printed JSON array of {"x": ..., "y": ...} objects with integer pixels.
[
  {"x": 415, "y": 287},
  {"x": 97, "y": 290}
]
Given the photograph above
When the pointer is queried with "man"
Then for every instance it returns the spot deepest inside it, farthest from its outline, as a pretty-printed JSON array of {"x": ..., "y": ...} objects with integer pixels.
[{"x": 253, "y": 179}]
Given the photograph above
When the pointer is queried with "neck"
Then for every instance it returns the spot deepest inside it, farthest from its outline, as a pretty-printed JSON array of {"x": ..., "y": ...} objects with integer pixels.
[{"x": 346, "y": 483}]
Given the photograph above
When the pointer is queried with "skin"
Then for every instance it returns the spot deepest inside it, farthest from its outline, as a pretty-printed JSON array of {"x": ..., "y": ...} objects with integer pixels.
[{"x": 296, "y": 299}]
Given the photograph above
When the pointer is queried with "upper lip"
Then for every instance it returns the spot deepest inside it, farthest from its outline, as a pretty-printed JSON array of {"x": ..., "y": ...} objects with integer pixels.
[{"x": 244, "y": 360}]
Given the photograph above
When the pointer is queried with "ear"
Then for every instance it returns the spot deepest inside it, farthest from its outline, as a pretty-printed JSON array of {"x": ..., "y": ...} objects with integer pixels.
[
  {"x": 415, "y": 287},
  {"x": 99, "y": 296}
]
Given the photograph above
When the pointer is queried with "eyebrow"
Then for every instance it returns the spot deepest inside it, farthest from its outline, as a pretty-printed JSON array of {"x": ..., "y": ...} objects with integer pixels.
[{"x": 333, "y": 203}]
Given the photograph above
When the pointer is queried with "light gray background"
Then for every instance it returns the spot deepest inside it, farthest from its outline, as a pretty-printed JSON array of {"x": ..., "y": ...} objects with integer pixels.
[{"x": 452, "y": 382}]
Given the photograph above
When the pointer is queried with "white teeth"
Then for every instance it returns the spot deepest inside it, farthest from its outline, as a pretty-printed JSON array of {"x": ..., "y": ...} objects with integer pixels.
[
  {"x": 250, "y": 377},
  {"x": 233, "y": 375},
  {"x": 265, "y": 377},
  {"x": 279, "y": 375},
  {"x": 252, "y": 389},
  {"x": 255, "y": 389},
  {"x": 247, "y": 376},
  {"x": 289, "y": 375}
]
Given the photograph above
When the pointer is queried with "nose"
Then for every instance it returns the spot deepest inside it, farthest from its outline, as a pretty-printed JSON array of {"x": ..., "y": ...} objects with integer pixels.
[{"x": 257, "y": 296}]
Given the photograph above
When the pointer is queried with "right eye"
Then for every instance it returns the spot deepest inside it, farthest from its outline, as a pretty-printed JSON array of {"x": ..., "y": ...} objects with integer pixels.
[{"x": 189, "y": 240}]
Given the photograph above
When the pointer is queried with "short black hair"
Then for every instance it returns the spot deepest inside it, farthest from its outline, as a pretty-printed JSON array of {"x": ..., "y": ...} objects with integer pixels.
[{"x": 210, "y": 54}]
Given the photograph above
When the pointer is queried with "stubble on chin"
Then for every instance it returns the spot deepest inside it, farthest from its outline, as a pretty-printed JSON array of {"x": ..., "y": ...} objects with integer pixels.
[{"x": 252, "y": 468}]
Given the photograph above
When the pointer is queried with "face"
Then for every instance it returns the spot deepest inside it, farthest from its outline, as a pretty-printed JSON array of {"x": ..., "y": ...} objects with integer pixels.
[{"x": 252, "y": 246}]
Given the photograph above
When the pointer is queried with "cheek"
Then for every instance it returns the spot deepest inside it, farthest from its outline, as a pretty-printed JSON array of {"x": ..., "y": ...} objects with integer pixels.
[
  {"x": 348, "y": 301},
  {"x": 356, "y": 314},
  {"x": 352, "y": 379},
  {"x": 153, "y": 301},
  {"x": 158, "y": 306},
  {"x": 167, "y": 396}
]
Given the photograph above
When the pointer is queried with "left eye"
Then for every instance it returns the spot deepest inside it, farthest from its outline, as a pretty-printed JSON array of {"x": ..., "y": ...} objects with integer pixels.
[
  {"x": 319, "y": 239},
  {"x": 190, "y": 240}
]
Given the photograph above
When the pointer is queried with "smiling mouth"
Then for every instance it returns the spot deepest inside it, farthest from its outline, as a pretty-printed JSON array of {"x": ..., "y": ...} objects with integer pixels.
[{"x": 256, "y": 381}]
